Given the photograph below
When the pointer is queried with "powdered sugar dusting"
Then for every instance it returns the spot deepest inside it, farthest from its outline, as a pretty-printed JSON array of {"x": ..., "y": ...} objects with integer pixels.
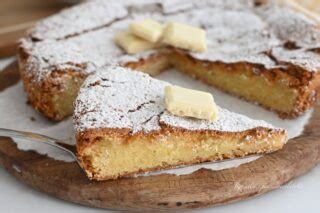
[
  {"x": 100, "y": 104},
  {"x": 169, "y": 6},
  {"x": 227, "y": 121},
  {"x": 294, "y": 27},
  {"x": 78, "y": 19},
  {"x": 84, "y": 53},
  {"x": 236, "y": 36},
  {"x": 300, "y": 57},
  {"x": 237, "y": 31},
  {"x": 49, "y": 55},
  {"x": 140, "y": 105}
]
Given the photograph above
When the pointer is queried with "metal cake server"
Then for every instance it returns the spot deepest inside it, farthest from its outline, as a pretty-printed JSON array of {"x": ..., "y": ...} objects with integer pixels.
[{"x": 33, "y": 137}]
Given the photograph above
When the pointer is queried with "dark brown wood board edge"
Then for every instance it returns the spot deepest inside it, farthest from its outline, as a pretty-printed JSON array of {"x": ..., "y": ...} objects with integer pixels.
[
  {"x": 204, "y": 188},
  {"x": 9, "y": 76},
  {"x": 19, "y": 16}
]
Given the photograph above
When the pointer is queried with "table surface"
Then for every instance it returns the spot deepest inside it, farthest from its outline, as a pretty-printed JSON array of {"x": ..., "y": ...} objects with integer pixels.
[{"x": 300, "y": 195}]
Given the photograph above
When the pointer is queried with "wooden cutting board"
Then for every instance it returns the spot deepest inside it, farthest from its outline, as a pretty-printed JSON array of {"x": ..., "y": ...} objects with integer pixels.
[
  {"x": 162, "y": 192},
  {"x": 17, "y": 16}
]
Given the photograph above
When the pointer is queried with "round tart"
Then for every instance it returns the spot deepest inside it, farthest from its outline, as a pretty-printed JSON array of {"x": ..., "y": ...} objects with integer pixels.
[{"x": 258, "y": 51}]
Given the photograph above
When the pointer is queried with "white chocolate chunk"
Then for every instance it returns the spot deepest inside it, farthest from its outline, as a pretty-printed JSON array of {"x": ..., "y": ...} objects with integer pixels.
[
  {"x": 133, "y": 44},
  {"x": 185, "y": 37},
  {"x": 191, "y": 103},
  {"x": 148, "y": 29}
]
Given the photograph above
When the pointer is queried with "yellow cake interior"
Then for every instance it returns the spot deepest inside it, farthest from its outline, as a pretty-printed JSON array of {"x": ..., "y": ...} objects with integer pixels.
[
  {"x": 111, "y": 157},
  {"x": 241, "y": 81}
]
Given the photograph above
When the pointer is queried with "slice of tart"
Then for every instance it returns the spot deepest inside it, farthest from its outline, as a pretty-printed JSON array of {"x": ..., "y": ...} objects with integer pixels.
[{"x": 122, "y": 128}]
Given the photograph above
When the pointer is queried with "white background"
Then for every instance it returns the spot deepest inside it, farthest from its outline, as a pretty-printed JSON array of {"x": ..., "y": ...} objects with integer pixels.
[{"x": 300, "y": 195}]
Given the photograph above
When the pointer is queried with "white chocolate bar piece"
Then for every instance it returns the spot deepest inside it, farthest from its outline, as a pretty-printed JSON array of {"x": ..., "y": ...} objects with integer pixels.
[
  {"x": 185, "y": 37},
  {"x": 148, "y": 29},
  {"x": 191, "y": 103},
  {"x": 133, "y": 44}
]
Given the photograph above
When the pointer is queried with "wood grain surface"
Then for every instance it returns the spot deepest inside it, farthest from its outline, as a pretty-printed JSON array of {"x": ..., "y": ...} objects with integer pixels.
[
  {"x": 201, "y": 189},
  {"x": 17, "y": 16}
]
